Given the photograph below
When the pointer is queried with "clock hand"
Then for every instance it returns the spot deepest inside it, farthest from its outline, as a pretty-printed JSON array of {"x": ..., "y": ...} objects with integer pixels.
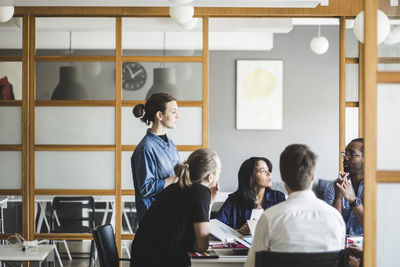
[
  {"x": 136, "y": 73},
  {"x": 130, "y": 72}
]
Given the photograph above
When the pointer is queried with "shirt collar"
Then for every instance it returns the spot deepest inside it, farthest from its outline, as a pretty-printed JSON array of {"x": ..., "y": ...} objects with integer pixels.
[
  {"x": 157, "y": 139},
  {"x": 302, "y": 194}
]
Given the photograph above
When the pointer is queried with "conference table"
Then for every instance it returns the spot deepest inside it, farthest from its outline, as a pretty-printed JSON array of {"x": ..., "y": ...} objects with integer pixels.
[{"x": 15, "y": 253}]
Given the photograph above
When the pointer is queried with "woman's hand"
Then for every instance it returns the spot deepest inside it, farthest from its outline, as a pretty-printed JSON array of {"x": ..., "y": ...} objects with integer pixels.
[
  {"x": 214, "y": 192},
  {"x": 244, "y": 230},
  {"x": 170, "y": 180}
]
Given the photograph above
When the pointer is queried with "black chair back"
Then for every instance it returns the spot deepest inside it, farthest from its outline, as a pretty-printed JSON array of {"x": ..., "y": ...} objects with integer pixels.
[
  {"x": 70, "y": 213},
  {"x": 107, "y": 249},
  {"x": 289, "y": 259}
]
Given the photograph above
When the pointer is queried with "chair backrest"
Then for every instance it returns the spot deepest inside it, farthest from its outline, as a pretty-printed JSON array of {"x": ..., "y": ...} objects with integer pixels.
[
  {"x": 105, "y": 242},
  {"x": 289, "y": 259},
  {"x": 69, "y": 214}
]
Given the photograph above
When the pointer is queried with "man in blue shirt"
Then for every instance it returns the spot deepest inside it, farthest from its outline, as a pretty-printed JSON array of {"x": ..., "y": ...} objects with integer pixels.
[{"x": 346, "y": 193}]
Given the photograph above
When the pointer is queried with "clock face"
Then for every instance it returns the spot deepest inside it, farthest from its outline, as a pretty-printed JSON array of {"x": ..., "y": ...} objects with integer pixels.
[{"x": 133, "y": 76}]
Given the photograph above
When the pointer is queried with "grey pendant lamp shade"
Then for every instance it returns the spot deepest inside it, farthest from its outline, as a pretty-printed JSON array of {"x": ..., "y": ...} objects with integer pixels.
[
  {"x": 164, "y": 79},
  {"x": 164, "y": 82},
  {"x": 68, "y": 87}
]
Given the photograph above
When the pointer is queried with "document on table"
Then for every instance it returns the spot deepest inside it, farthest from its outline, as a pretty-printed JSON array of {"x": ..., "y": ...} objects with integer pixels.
[{"x": 225, "y": 233}]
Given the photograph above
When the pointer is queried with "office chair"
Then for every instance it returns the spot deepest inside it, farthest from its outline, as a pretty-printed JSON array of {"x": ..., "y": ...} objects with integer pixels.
[
  {"x": 107, "y": 250},
  {"x": 74, "y": 215},
  {"x": 315, "y": 259}
]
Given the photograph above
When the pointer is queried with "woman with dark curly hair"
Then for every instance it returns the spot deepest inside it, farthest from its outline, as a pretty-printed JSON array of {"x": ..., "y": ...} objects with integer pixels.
[{"x": 253, "y": 196}]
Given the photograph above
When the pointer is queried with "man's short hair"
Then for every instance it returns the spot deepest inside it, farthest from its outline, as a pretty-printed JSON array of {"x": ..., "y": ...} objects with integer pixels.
[
  {"x": 359, "y": 140},
  {"x": 297, "y": 165}
]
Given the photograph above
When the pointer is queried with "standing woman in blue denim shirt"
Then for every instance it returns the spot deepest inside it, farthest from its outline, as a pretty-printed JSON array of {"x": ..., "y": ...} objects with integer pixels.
[
  {"x": 253, "y": 196},
  {"x": 155, "y": 157}
]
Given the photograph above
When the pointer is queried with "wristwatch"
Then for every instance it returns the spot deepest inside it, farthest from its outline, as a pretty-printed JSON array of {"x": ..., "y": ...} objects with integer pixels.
[{"x": 356, "y": 203}]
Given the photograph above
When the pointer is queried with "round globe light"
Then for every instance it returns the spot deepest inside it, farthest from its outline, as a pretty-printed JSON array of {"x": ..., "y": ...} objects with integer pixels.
[
  {"x": 190, "y": 24},
  {"x": 319, "y": 45},
  {"x": 181, "y": 14},
  {"x": 383, "y": 26},
  {"x": 6, "y": 13},
  {"x": 91, "y": 69}
]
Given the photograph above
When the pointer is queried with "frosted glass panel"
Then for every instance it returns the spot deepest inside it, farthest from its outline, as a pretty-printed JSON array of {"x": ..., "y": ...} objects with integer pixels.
[
  {"x": 75, "y": 169},
  {"x": 388, "y": 217},
  {"x": 160, "y": 36},
  {"x": 352, "y": 82},
  {"x": 11, "y": 37},
  {"x": 10, "y": 125},
  {"x": 10, "y": 170},
  {"x": 388, "y": 132},
  {"x": 351, "y": 43},
  {"x": 76, "y": 36},
  {"x": 351, "y": 124},
  {"x": 188, "y": 131},
  {"x": 75, "y": 125},
  {"x": 184, "y": 155},
  {"x": 13, "y": 71},
  {"x": 388, "y": 67},
  {"x": 126, "y": 172}
]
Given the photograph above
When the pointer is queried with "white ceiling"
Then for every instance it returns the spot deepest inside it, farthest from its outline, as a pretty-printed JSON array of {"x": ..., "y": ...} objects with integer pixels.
[{"x": 197, "y": 3}]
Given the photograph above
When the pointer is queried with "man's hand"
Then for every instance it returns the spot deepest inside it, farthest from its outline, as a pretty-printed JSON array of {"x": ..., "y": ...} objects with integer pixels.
[
  {"x": 341, "y": 178},
  {"x": 347, "y": 190},
  {"x": 244, "y": 230}
]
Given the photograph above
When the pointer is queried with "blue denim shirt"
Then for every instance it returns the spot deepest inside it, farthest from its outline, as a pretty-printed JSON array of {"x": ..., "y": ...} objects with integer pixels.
[
  {"x": 353, "y": 227},
  {"x": 235, "y": 215},
  {"x": 152, "y": 162}
]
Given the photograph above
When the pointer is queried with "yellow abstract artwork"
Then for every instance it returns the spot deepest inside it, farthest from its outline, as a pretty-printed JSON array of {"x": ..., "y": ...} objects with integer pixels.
[{"x": 259, "y": 94}]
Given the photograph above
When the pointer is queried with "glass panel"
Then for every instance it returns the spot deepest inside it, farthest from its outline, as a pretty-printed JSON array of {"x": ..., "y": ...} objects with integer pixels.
[
  {"x": 11, "y": 37},
  {"x": 11, "y": 80},
  {"x": 388, "y": 67},
  {"x": 388, "y": 217},
  {"x": 11, "y": 170},
  {"x": 184, "y": 155},
  {"x": 190, "y": 121},
  {"x": 351, "y": 41},
  {"x": 75, "y": 36},
  {"x": 181, "y": 80},
  {"x": 11, "y": 214},
  {"x": 44, "y": 217},
  {"x": 388, "y": 143},
  {"x": 126, "y": 252},
  {"x": 75, "y": 125},
  {"x": 126, "y": 171},
  {"x": 10, "y": 125},
  {"x": 160, "y": 36},
  {"x": 351, "y": 129},
  {"x": 75, "y": 81},
  {"x": 74, "y": 169},
  {"x": 352, "y": 82},
  {"x": 129, "y": 224}
]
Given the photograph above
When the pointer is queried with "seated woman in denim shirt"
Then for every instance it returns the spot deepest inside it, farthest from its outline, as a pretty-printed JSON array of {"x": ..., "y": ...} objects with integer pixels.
[
  {"x": 155, "y": 157},
  {"x": 253, "y": 195}
]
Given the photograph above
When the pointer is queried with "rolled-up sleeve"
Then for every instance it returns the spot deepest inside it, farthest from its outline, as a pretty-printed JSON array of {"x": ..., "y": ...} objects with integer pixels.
[
  {"x": 145, "y": 172},
  {"x": 330, "y": 193}
]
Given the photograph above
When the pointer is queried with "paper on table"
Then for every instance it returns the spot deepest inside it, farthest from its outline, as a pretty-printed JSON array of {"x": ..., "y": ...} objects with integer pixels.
[{"x": 252, "y": 225}]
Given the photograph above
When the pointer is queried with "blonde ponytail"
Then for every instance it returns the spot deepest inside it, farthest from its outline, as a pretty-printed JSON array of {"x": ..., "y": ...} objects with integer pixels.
[{"x": 183, "y": 174}]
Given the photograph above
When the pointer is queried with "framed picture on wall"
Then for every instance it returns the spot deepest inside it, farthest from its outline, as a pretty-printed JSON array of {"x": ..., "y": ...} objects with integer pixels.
[{"x": 259, "y": 94}]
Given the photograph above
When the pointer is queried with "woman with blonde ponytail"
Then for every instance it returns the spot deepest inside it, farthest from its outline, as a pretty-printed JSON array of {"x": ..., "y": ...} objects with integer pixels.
[
  {"x": 155, "y": 156},
  {"x": 178, "y": 220}
]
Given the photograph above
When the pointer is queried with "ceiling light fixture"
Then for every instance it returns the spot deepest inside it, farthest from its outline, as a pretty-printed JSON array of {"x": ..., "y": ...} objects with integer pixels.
[
  {"x": 383, "y": 26},
  {"x": 319, "y": 44},
  {"x": 6, "y": 13}
]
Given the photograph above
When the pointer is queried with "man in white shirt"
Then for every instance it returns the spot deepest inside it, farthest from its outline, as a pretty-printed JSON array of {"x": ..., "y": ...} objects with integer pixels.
[{"x": 302, "y": 223}]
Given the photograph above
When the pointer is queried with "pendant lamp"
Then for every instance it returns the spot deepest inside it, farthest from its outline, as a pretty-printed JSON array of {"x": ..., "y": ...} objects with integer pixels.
[
  {"x": 164, "y": 80},
  {"x": 68, "y": 87}
]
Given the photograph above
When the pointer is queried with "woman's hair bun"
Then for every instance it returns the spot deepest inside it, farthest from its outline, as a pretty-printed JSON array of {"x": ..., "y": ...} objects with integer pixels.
[{"x": 138, "y": 110}]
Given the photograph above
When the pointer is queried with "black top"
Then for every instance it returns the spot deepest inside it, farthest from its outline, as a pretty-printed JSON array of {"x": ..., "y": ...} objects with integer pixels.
[
  {"x": 166, "y": 232},
  {"x": 164, "y": 137}
]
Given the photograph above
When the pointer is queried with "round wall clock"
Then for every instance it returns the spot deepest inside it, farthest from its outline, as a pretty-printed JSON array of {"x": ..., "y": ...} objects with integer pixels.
[{"x": 133, "y": 76}]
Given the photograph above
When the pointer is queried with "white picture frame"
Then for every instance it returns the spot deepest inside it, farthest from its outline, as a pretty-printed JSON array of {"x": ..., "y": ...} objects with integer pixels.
[{"x": 259, "y": 94}]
